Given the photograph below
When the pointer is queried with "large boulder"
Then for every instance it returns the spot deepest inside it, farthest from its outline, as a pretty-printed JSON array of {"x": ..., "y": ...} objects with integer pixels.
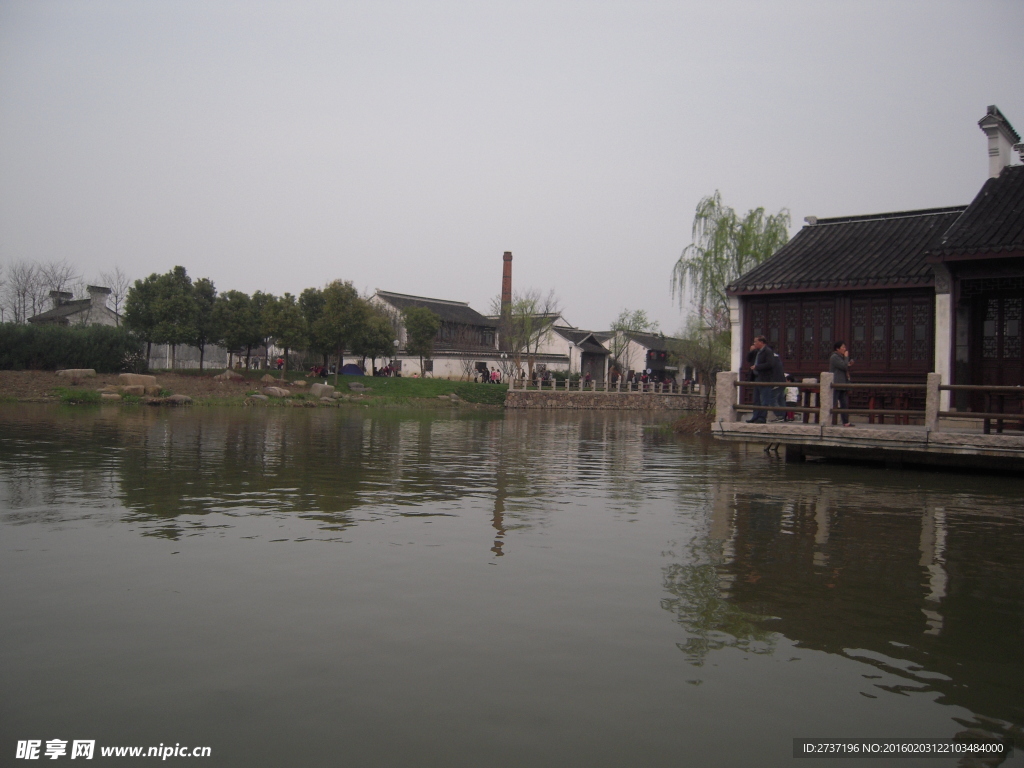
[
  {"x": 136, "y": 390},
  {"x": 153, "y": 390},
  {"x": 179, "y": 400},
  {"x": 268, "y": 379},
  {"x": 135, "y": 380},
  {"x": 321, "y": 390},
  {"x": 77, "y": 373},
  {"x": 276, "y": 391},
  {"x": 298, "y": 383},
  {"x": 110, "y": 396},
  {"x": 229, "y": 375}
]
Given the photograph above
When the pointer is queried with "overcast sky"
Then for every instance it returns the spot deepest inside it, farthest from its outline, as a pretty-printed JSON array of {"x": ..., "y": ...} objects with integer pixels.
[{"x": 406, "y": 145}]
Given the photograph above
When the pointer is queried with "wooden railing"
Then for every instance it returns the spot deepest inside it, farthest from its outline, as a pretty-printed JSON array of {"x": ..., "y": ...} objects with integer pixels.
[{"x": 823, "y": 411}]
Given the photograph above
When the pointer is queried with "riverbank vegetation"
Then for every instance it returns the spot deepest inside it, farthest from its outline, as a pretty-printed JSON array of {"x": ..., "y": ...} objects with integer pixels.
[
  {"x": 49, "y": 347},
  {"x": 205, "y": 389}
]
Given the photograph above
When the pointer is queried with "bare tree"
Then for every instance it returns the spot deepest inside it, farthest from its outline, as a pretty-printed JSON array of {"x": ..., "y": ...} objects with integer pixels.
[
  {"x": 525, "y": 325},
  {"x": 58, "y": 276},
  {"x": 118, "y": 283},
  {"x": 705, "y": 345},
  {"x": 22, "y": 290}
]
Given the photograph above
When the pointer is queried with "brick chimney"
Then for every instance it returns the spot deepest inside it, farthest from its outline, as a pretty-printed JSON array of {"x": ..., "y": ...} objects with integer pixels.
[
  {"x": 1001, "y": 140},
  {"x": 506, "y": 282}
]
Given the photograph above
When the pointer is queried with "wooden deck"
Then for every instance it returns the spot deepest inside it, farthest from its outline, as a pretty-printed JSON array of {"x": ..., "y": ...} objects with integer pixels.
[{"x": 940, "y": 438}]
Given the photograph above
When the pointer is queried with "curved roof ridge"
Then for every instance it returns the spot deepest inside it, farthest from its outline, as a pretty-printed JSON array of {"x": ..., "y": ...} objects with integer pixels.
[
  {"x": 892, "y": 215},
  {"x": 423, "y": 298}
]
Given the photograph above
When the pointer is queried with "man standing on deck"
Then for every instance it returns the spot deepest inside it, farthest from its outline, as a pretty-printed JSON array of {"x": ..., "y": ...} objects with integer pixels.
[
  {"x": 839, "y": 366},
  {"x": 767, "y": 367}
]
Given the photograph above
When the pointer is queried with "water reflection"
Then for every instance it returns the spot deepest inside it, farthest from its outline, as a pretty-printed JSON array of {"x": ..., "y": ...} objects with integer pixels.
[
  {"x": 915, "y": 578},
  {"x": 925, "y": 584},
  {"x": 173, "y": 470}
]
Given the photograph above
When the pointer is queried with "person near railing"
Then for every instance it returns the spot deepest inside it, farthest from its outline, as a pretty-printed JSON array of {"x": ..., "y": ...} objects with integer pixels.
[
  {"x": 767, "y": 367},
  {"x": 839, "y": 366},
  {"x": 792, "y": 398}
]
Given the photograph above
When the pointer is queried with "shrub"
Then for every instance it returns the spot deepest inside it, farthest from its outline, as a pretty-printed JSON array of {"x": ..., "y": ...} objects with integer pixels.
[{"x": 51, "y": 347}]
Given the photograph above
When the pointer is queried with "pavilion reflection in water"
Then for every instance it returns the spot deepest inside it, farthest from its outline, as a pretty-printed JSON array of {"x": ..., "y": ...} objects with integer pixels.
[{"x": 930, "y": 593}]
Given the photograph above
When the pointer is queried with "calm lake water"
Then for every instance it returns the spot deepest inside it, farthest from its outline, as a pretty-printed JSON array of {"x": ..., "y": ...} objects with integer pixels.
[{"x": 387, "y": 588}]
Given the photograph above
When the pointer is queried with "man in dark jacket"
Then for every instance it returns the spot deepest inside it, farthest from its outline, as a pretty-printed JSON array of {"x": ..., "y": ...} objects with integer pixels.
[
  {"x": 767, "y": 367},
  {"x": 764, "y": 360},
  {"x": 839, "y": 366}
]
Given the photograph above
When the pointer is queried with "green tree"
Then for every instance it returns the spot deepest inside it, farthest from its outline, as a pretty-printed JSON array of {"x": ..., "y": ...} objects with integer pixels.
[
  {"x": 263, "y": 310},
  {"x": 335, "y": 329},
  {"x": 625, "y": 326},
  {"x": 421, "y": 327},
  {"x": 205, "y": 296},
  {"x": 724, "y": 247},
  {"x": 140, "y": 310},
  {"x": 374, "y": 337},
  {"x": 311, "y": 302},
  {"x": 175, "y": 310},
  {"x": 286, "y": 325},
  {"x": 236, "y": 322}
]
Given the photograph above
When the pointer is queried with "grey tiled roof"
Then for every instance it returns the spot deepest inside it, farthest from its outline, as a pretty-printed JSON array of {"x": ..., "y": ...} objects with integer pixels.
[
  {"x": 993, "y": 222},
  {"x": 448, "y": 311},
  {"x": 651, "y": 340},
  {"x": 58, "y": 314},
  {"x": 585, "y": 340},
  {"x": 886, "y": 249}
]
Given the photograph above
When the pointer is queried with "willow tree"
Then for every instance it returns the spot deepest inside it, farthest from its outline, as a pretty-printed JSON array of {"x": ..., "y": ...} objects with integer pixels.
[{"x": 724, "y": 247}]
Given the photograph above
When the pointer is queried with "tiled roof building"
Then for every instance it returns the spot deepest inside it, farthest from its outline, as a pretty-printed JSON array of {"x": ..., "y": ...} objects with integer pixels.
[{"x": 910, "y": 292}]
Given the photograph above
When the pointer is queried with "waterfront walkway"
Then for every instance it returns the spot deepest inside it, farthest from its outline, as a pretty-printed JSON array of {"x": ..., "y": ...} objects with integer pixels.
[
  {"x": 595, "y": 395},
  {"x": 939, "y": 436}
]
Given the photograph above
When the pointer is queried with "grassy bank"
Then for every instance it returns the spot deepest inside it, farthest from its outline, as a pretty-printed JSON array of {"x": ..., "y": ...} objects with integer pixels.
[
  {"x": 368, "y": 389},
  {"x": 204, "y": 389}
]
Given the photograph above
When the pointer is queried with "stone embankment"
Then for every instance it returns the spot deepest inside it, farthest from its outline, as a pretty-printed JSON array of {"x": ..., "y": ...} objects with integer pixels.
[
  {"x": 128, "y": 384},
  {"x": 610, "y": 401}
]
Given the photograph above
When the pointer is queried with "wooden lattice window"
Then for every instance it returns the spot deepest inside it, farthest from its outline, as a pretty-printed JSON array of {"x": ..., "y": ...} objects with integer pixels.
[
  {"x": 878, "y": 313},
  {"x": 826, "y": 321},
  {"x": 807, "y": 340},
  {"x": 792, "y": 325},
  {"x": 774, "y": 321},
  {"x": 858, "y": 345},
  {"x": 898, "y": 350},
  {"x": 757, "y": 318},
  {"x": 990, "y": 330},
  {"x": 919, "y": 348},
  {"x": 1011, "y": 328}
]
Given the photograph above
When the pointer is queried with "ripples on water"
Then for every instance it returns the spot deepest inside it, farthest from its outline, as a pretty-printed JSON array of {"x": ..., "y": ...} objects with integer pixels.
[{"x": 334, "y": 569}]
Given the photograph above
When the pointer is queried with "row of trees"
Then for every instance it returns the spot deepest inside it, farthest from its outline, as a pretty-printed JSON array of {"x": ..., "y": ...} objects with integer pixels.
[
  {"x": 173, "y": 309},
  {"x": 25, "y": 287}
]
